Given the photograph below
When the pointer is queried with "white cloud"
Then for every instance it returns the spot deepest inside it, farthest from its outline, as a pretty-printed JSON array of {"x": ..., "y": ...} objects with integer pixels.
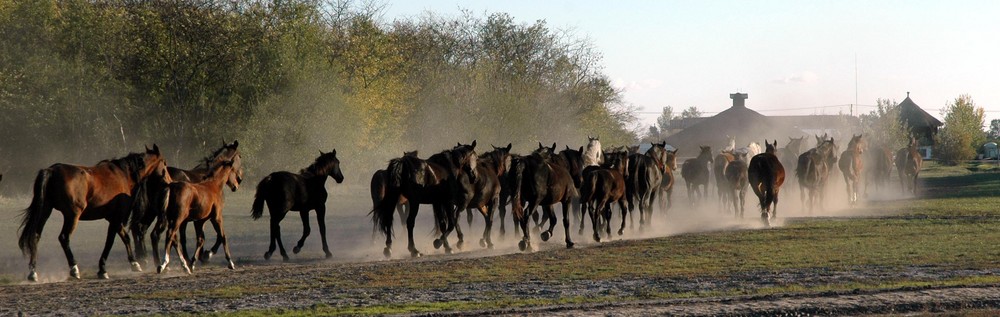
[
  {"x": 637, "y": 85},
  {"x": 803, "y": 77}
]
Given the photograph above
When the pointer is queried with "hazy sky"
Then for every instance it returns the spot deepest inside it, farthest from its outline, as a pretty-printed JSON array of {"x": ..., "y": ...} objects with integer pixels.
[{"x": 785, "y": 54}]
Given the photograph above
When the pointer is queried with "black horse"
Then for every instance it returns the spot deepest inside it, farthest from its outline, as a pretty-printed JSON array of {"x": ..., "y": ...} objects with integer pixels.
[
  {"x": 603, "y": 186},
  {"x": 483, "y": 193},
  {"x": 433, "y": 181},
  {"x": 302, "y": 192},
  {"x": 543, "y": 183},
  {"x": 696, "y": 172},
  {"x": 645, "y": 179}
]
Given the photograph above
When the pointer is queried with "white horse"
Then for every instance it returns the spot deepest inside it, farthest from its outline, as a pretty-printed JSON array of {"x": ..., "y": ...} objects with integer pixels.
[
  {"x": 750, "y": 150},
  {"x": 732, "y": 145},
  {"x": 593, "y": 155}
]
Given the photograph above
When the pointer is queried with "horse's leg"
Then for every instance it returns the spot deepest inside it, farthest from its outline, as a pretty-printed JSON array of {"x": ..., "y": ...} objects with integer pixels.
[
  {"x": 583, "y": 206},
  {"x": 565, "y": 213},
  {"x": 305, "y": 231},
  {"x": 503, "y": 219},
  {"x": 447, "y": 221},
  {"x": 321, "y": 221},
  {"x": 487, "y": 212},
  {"x": 199, "y": 249},
  {"x": 132, "y": 259},
  {"x": 154, "y": 238},
  {"x": 458, "y": 228},
  {"x": 642, "y": 207},
  {"x": 550, "y": 214},
  {"x": 525, "y": 243},
  {"x": 217, "y": 223},
  {"x": 114, "y": 226},
  {"x": 410, "y": 220},
  {"x": 69, "y": 225},
  {"x": 589, "y": 209}
]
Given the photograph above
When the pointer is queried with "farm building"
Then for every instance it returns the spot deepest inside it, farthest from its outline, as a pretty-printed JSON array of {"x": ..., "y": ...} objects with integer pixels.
[{"x": 922, "y": 125}]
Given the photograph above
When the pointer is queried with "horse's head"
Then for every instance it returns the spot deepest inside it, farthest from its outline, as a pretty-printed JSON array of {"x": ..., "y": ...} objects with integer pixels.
[
  {"x": 857, "y": 143},
  {"x": 154, "y": 165},
  {"x": 574, "y": 160},
  {"x": 772, "y": 148},
  {"x": 794, "y": 144},
  {"x": 706, "y": 153},
  {"x": 617, "y": 160},
  {"x": 327, "y": 164},
  {"x": 464, "y": 157},
  {"x": 658, "y": 151},
  {"x": 545, "y": 153},
  {"x": 732, "y": 143},
  {"x": 228, "y": 171},
  {"x": 500, "y": 156},
  {"x": 671, "y": 162}
]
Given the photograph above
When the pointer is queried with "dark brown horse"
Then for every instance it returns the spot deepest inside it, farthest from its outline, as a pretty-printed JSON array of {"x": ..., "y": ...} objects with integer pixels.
[
  {"x": 106, "y": 191},
  {"x": 723, "y": 188},
  {"x": 644, "y": 181},
  {"x": 379, "y": 179},
  {"x": 813, "y": 171},
  {"x": 543, "y": 183},
  {"x": 908, "y": 163},
  {"x": 667, "y": 185},
  {"x": 152, "y": 207},
  {"x": 765, "y": 175},
  {"x": 198, "y": 202},
  {"x": 736, "y": 181},
  {"x": 879, "y": 163},
  {"x": 302, "y": 192},
  {"x": 852, "y": 166},
  {"x": 603, "y": 186},
  {"x": 484, "y": 190},
  {"x": 434, "y": 181},
  {"x": 695, "y": 173}
]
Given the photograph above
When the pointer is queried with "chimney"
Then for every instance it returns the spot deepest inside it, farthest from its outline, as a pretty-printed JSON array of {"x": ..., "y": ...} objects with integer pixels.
[{"x": 738, "y": 100}]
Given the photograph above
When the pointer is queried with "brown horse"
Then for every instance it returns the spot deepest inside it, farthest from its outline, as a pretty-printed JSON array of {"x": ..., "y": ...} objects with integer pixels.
[
  {"x": 378, "y": 189},
  {"x": 484, "y": 190},
  {"x": 695, "y": 173},
  {"x": 667, "y": 184},
  {"x": 766, "y": 175},
  {"x": 603, "y": 186},
  {"x": 302, "y": 192},
  {"x": 813, "y": 171},
  {"x": 198, "y": 202},
  {"x": 908, "y": 163},
  {"x": 880, "y": 167},
  {"x": 737, "y": 180},
  {"x": 151, "y": 207},
  {"x": 852, "y": 166},
  {"x": 723, "y": 187},
  {"x": 542, "y": 182},
  {"x": 107, "y": 191}
]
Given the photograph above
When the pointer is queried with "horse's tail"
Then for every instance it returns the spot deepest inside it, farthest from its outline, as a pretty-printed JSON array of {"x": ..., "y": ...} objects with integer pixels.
[
  {"x": 382, "y": 214},
  {"x": 257, "y": 210},
  {"x": 768, "y": 177},
  {"x": 141, "y": 203},
  {"x": 33, "y": 219},
  {"x": 588, "y": 187}
]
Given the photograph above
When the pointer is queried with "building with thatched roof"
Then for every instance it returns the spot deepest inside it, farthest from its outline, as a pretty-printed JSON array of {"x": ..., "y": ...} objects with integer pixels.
[{"x": 922, "y": 125}]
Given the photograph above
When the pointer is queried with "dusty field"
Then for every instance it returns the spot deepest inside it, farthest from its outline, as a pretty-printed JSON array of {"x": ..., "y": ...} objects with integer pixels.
[{"x": 359, "y": 281}]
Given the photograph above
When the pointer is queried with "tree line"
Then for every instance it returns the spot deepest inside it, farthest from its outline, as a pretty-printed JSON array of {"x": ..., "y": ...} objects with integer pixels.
[{"x": 84, "y": 80}]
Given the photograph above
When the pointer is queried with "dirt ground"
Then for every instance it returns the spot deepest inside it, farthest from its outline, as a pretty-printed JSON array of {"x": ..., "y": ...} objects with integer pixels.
[{"x": 356, "y": 250}]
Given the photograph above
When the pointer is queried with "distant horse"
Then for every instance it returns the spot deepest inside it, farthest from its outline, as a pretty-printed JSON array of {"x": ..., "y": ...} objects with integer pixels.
[
  {"x": 378, "y": 189},
  {"x": 731, "y": 146},
  {"x": 908, "y": 163},
  {"x": 695, "y": 172},
  {"x": 151, "y": 208},
  {"x": 852, "y": 166},
  {"x": 644, "y": 180},
  {"x": 737, "y": 179},
  {"x": 723, "y": 189},
  {"x": 302, "y": 192},
  {"x": 198, "y": 202},
  {"x": 542, "y": 183},
  {"x": 604, "y": 186},
  {"x": 765, "y": 175},
  {"x": 789, "y": 154},
  {"x": 812, "y": 172},
  {"x": 507, "y": 193},
  {"x": 107, "y": 191},
  {"x": 593, "y": 155},
  {"x": 434, "y": 181},
  {"x": 751, "y": 150},
  {"x": 667, "y": 184},
  {"x": 572, "y": 160},
  {"x": 879, "y": 161},
  {"x": 483, "y": 192}
]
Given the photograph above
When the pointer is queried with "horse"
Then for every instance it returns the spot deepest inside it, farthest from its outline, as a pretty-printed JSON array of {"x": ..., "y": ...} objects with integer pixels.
[
  {"x": 737, "y": 179},
  {"x": 765, "y": 175},
  {"x": 603, "y": 186},
  {"x": 908, "y": 163},
  {"x": 722, "y": 185},
  {"x": 572, "y": 160},
  {"x": 144, "y": 215},
  {"x": 108, "y": 190},
  {"x": 198, "y": 202},
  {"x": 302, "y": 192},
  {"x": 695, "y": 173},
  {"x": 433, "y": 181},
  {"x": 852, "y": 166},
  {"x": 667, "y": 184},
  {"x": 507, "y": 193},
  {"x": 789, "y": 154},
  {"x": 543, "y": 183},
  {"x": 813, "y": 169},
  {"x": 483, "y": 192},
  {"x": 645, "y": 179},
  {"x": 378, "y": 189},
  {"x": 880, "y": 162},
  {"x": 751, "y": 150},
  {"x": 593, "y": 155}
]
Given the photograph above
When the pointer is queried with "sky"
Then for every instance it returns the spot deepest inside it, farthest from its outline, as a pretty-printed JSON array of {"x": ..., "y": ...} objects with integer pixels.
[{"x": 791, "y": 57}]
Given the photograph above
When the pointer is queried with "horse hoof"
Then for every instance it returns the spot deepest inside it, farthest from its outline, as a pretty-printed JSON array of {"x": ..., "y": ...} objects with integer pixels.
[
  {"x": 296, "y": 249},
  {"x": 285, "y": 259},
  {"x": 459, "y": 244},
  {"x": 621, "y": 232},
  {"x": 33, "y": 276},
  {"x": 489, "y": 246},
  {"x": 597, "y": 238},
  {"x": 232, "y": 266},
  {"x": 522, "y": 245},
  {"x": 546, "y": 235},
  {"x": 329, "y": 255},
  {"x": 206, "y": 256},
  {"x": 569, "y": 245},
  {"x": 387, "y": 252},
  {"x": 415, "y": 254},
  {"x": 267, "y": 255},
  {"x": 437, "y": 243},
  {"x": 482, "y": 243},
  {"x": 74, "y": 272},
  {"x": 447, "y": 250},
  {"x": 136, "y": 267},
  {"x": 103, "y": 275}
]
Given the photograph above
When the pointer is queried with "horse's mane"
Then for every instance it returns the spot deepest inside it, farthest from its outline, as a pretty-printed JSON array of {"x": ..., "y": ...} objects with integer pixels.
[
  {"x": 320, "y": 167},
  {"x": 135, "y": 163}
]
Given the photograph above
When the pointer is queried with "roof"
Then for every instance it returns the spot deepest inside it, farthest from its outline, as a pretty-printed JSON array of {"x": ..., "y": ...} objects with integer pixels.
[
  {"x": 747, "y": 125},
  {"x": 915, "y": 117}
]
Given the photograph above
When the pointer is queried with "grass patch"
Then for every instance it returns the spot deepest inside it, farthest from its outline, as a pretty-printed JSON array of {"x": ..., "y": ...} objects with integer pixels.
[{"x": 227, "y": 292}]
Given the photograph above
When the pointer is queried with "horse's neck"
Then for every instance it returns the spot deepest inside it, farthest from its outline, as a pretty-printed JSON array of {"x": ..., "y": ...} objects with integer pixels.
[{"x": 217, "y": 179}]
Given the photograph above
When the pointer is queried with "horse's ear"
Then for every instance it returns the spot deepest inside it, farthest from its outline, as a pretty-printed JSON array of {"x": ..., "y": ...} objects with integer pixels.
[
  {"x": 321, "y": 152},
  {"x": 458, "y": 143},
  {"x": 156, "y": 149},
  {"x": 581, "y": 149},
  {"x": 553, "y": 146},
  {"x": 147, "y": 147},
  {"x": 567, "y": 147},
  {"x": 473, "y": 144},
  {"x": 334, "y": 152},
  {"x": 540, "y": 145},
  {"x": 509, "y": 145},
  {"x": 236, "y": 143}
]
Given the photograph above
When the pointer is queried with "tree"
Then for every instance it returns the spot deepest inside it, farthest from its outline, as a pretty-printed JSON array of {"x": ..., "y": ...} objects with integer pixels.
[
  {"x": 883, "y": 127},
  {"x": 963, "y": 132},
  {"x": 994, "y": 129},
  {"x": 663, "y": 121},
  {"x": 691, "y": 112}
]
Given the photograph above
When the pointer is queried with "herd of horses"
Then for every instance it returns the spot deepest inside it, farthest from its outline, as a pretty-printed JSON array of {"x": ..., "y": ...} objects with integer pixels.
[{"x": 140, "y": 192}]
